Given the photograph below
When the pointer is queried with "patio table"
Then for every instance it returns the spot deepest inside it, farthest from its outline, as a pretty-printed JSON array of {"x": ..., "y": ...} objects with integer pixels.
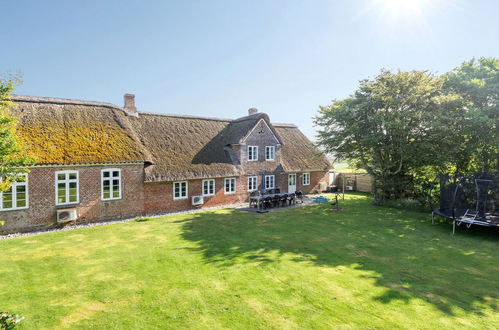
[{"x": 258, "y": 198}]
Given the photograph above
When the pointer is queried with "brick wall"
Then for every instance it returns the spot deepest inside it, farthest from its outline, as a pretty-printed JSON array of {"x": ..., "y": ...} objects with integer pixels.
[
  {"x": 41, "y": 191},
  {"x": 159, "y": 195},
  {"x": 261, "y": 137},
  {"x": 315, "y": 179}
]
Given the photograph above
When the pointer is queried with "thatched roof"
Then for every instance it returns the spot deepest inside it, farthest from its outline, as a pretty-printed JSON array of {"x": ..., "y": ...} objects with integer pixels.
[
  {"x": 298, "y": 153},
  {"x": 174, "y": 147},
  {"x": 184, "y": 147},
  {"x": 62, "y": 131}
]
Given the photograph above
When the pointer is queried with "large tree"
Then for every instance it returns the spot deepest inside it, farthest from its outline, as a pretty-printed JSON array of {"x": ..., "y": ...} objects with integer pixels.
[
  {"x": 477, "y": 81},
  {"x": 13, "y": 161},
  {"x": 392, "y": 125}
]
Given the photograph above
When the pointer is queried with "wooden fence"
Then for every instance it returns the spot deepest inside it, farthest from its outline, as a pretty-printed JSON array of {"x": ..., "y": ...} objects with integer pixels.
[{"x": 358, "y": 181}]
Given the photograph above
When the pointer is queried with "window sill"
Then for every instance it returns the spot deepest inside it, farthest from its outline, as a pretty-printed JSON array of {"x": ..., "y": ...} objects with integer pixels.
[
  {"x": 14, "y": 209},
  {"x": 110, "y": 199},
  {"x": 65, "y": 205},
  {"x": 230, "y": 193},
  {"x": 180, "y": 198}
]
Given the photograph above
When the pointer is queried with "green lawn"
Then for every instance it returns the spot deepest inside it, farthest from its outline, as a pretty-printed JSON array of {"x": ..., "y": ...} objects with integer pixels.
[{"x": 364, "y": 267}]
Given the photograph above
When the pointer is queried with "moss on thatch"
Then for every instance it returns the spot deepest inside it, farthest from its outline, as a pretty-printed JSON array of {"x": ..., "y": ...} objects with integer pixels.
[
  {"x": 75, "y": 133},
  {"x": 62, "y": 131}
]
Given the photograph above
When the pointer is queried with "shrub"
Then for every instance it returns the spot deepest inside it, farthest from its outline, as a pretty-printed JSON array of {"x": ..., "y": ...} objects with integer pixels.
[
  {"x": 141, "y": 219},
  {"x": 9, "y": 321}
]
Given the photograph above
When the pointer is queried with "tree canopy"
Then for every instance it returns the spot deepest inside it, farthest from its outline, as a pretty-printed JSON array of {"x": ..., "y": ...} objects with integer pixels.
[
  {"x": 401, "y": 125},
  {"x": 13, "y": 160}
]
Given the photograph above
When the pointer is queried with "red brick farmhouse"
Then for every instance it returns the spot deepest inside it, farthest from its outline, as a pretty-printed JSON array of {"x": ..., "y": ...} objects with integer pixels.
[{"x": 97, "y": 161}]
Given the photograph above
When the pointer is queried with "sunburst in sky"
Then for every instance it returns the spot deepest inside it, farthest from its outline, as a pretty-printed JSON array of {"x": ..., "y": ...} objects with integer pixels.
[{"x": 408, "y": 11}]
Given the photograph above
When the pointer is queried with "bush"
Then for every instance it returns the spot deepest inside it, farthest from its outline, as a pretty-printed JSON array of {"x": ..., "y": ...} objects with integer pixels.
[
  {"x": 9, "y": 321},
  {"x": 141, "y": 219}
]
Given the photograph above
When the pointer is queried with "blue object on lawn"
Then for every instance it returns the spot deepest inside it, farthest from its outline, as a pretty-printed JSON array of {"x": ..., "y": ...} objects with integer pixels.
[{"x": 321, "y": 199}]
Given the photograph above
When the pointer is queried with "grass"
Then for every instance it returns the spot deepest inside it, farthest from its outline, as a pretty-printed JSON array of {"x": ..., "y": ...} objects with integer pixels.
[{"x": 364, "y": 267}]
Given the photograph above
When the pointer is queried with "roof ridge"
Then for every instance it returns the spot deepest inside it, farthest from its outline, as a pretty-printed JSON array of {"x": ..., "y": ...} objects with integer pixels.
[
  {"x": 59, "y": 100},
  {"x": 182, "y": 116},
  {"x": 249, "y": 117},
  {"x": 284, "y": 125}
]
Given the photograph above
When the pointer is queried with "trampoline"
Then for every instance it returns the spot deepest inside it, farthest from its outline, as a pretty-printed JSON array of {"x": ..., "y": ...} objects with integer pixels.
[{"x": 468, "y": 200}]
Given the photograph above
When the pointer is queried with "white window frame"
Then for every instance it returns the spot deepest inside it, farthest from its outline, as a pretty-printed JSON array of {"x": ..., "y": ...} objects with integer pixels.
[
  {"x": 255, "y": 178},
  {"x": 180, "y": 190},
  {"x": 230, "y": 192},
  {"x": 67, "y": 181},
  {"x": 254, "y": 153},
  {"x": 111, "y": 178},
  {"x": 306, "y": 182},
  {"x": 268, "y": 153},
  {"x": 13, "y": 189},
  {"x": 268, "y": 181},
  {"x": 212, "y": 186}
]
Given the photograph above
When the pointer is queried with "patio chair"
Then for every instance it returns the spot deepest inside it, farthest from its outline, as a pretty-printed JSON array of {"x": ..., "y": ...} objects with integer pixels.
[
  {"x": 275, "y": 201},
  {"x": 284, "y": 199},
  {"x": 292, "y": 199},
  {"x": 277, "y": 191},
  {"x": 267, "y": 202},
  {"x": 254, "y": 194},
  {"x": 299, "y": 196}
]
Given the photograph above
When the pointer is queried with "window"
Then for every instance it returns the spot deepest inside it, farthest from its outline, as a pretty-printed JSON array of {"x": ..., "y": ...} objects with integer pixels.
[
  {"x": 230, "y": 185},
  {"x": 111, "y": 184},
  {"x": 66, "y": 183},
  {"x": 252, "y": 183},
  {"x": 16, "y": 197},
  {"x": 252, "y": 153},
  {"x": 306, "y": 179},
  {"x": 208, "y": 187},
  {"x": 180, "y": 190},
  {"x": 269, "y": 181},
  {"x": 269, "y": 153}
]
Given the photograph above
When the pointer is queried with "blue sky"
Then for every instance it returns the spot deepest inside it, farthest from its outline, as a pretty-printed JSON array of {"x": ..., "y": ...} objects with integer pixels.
[{"x": 219, "y": 58}]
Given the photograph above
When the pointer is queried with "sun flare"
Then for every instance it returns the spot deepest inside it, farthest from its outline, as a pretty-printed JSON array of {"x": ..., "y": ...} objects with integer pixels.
[{"x": 405, "y": 9}]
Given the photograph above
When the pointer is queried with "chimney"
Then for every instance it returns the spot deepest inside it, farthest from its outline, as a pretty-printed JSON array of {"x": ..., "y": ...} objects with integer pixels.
[
  {"x": 129, "y": 106},
  {"x": 252, "y": 111}
]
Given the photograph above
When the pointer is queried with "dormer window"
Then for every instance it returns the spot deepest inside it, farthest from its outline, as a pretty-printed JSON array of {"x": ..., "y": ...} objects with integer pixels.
[
  {"x": 252, "y": 153},
  {"x": 269, "y": 153}
]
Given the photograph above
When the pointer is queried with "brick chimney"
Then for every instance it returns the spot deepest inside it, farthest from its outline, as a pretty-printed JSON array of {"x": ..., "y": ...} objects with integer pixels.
[
  {"x": 129, "y": 106},
  {"x": 252, "y": 111}
]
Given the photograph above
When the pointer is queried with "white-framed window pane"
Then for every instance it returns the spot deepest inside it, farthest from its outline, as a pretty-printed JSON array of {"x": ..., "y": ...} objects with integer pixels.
[
  {"x": 306, "y": 179},
  {"x": 208, "y": 187},
  {"x": 269, "y": 182},
  {"x": 252, "y": 183},
  {"x": 7, "y": 199},
  {"x": 252, "y": 153},
  {"x": 16, "y": 197},
  {"x": 67, "y": 187},
  {"x": 230, "y": 185},
  {"x": 269, "y": 153},
  {"x": 111, "y": 184},
  {"x": 180, "y": 189}
]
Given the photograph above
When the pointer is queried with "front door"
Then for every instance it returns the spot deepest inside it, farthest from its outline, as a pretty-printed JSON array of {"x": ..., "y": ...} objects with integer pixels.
[{"x": 291, "y": 183}]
